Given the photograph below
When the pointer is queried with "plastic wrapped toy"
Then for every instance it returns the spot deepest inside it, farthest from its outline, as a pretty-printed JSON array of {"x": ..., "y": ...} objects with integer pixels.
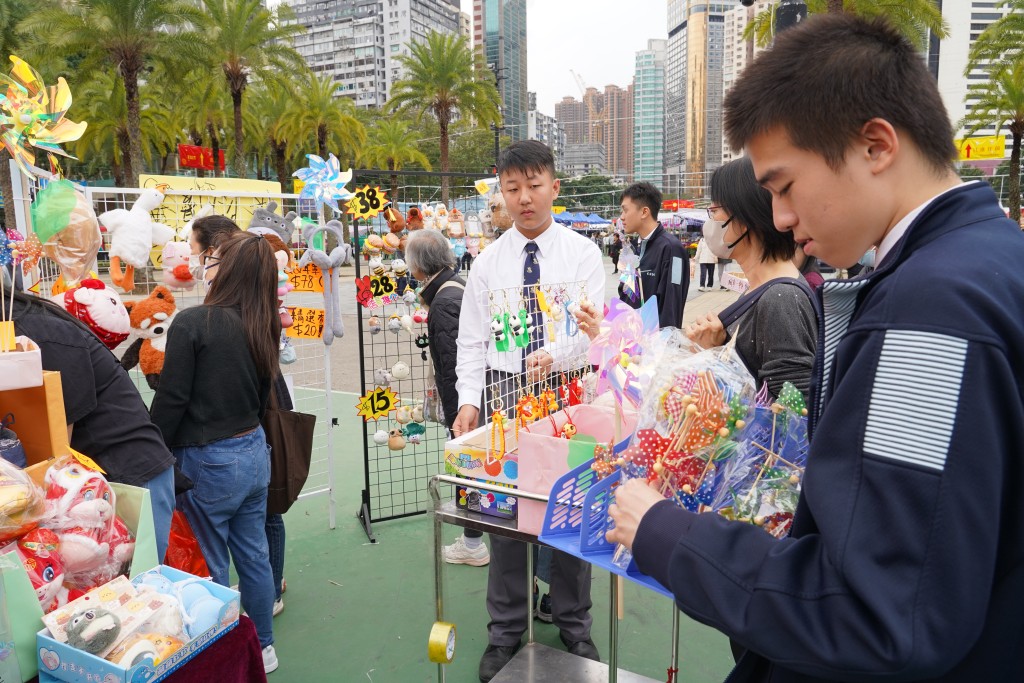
[
  {"x": 39, "y": 552},
  {"x": 21, "y": 502}
]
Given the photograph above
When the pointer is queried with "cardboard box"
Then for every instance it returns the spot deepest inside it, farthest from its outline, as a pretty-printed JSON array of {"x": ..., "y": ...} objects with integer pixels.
[
  {"x": 491, "y": 503},
  {"x": 62, "y": 662},
  {"x": 39, "y": 418},
  {"x": 470, "y": 456}
]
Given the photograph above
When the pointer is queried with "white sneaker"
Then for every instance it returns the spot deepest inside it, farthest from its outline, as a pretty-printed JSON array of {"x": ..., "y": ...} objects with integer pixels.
[
  {"x": 278, "y": 606},
  {"x": 459, "y": 553},
  {"x": 269, "y": 659}
]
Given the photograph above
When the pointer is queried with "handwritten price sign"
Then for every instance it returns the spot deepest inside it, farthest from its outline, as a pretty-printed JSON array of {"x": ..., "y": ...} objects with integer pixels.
[
  {"x": 377, "y": 403},
  {"x": 374, "y": 292},
  {"x": 368, "y": 202},
  {"x": 309, "y": 323},
  {"x": 308, "y": 279}
]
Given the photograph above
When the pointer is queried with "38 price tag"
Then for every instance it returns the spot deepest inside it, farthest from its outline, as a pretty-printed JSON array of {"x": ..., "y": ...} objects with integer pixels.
[
  {"x": 308, "y": 279},
  {"x": 377, "y": 403},
  {"x": 308, "y": 323},
  {"x": 368, "y": 202}
]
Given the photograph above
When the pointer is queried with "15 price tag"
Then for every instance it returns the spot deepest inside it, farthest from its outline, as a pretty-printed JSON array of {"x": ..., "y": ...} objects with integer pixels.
[
  {"x": 377, "y": 403},
  {"x": 308, "y": 323},
  {"x": 308, "y": 279},
  {"x": 368, "y": 202}
]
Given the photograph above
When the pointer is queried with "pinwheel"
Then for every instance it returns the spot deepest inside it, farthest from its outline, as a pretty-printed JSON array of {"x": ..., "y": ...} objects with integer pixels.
[
  {"x": 32, "y": 115},
  {"x": 324, "y": 181},
  {"x": 623, "y": 332}
]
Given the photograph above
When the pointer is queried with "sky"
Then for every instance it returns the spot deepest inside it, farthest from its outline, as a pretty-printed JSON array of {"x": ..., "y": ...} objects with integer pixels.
[{"x": 597, "y": 39}]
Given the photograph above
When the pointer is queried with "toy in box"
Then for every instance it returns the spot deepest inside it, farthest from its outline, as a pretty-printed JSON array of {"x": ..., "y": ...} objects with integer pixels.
[
  {"x": 491, "y": 503},
  {"x": 138, "y": 631}
]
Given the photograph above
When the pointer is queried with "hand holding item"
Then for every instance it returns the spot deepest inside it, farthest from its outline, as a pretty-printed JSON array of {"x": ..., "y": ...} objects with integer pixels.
[
  {"x": 707, "y": 331},
  {"x": 632, "y": 501},
  {"x": 538, "y": 365},
  {"x": 465, "y": 421},
  {"x": 589, "y": 318}
]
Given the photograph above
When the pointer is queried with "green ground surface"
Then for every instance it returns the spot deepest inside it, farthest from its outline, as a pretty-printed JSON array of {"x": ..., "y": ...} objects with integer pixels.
[{"x": 356, "y": 611}]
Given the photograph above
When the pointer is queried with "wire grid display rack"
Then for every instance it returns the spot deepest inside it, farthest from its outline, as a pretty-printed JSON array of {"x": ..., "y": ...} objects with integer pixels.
[{"x": 306, "y": 376}]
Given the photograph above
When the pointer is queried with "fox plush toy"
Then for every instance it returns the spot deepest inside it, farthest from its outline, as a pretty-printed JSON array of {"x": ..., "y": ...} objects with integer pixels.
[{"x": 150, "y": 319}]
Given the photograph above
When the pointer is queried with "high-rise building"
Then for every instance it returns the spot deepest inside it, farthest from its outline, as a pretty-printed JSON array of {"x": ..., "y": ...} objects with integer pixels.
[
  {"x": 695, "y": 54},
  {"x": 466, "y": 27},
  {"x": 355, "y": 42},
  {"x": 738, "y": 53},
  {"x": 499, "y": 29},
  {"x": 617, "y": 120},
  {"x": 547, "y": 129},
  {"x": 649, "y": 113},
  {"x": 584, "y": 159},
  {"x": 572, "y": 114}
]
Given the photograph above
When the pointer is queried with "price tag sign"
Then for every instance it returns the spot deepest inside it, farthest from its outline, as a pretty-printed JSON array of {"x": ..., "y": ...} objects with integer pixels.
[
  {"x": 374, "y": 292},
  {"x": 382, "y": 286},
  {"x": 308, "y": 279},
  {"x": 308, "y": 323},
  {"x": 377, "y": 403},
  {"x": 368, "y": 202}
]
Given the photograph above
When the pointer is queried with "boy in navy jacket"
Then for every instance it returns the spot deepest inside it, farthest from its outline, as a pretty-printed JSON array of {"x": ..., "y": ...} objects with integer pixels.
[{"x": 906, "y": 560}]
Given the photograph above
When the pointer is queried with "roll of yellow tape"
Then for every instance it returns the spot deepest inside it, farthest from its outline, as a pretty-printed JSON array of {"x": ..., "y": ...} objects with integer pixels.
[{"x": 441, "y": 646}]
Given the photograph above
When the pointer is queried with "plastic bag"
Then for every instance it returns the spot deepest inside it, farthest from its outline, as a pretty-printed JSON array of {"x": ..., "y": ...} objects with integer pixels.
[
  {"x": 21, "y": 502},
  {"x": 183, "y": 551},
  {"x": 76, "y": 242}
]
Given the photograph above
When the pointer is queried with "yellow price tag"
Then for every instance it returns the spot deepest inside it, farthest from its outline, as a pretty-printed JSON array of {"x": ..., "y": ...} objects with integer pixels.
[
  {"x": 377, "y": 403},
  {"x": 381, "y": 286},
  {"x": 308, "y": 279},
  {"x": 308, "y": 323},
  {"x": 86, "y": 461},
  {"x": 368, "y": 202}
]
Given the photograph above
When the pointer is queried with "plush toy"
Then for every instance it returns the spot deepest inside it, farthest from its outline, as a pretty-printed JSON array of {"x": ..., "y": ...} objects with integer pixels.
[
  {"x": 372, "y": 245},
  {"x": 21, "y": 502},
  {"x": 440, "y": 217},
  {"x": 177, "y": 274},
  {"x": 414, "y": 219},
  {"x": 328, "y": 265},
  {"x": 139, "y": 647},
  {"x": 396, "y": 441},
  {"x": 133, "y": 233},
  {"x": 486, "y": 225},
  {"x": 399, "y": 268},
  {"x": 456, "y": 227},
  {"x": 39, "y": 552},
  {"x": 473, "y": 243},
  {"x": 150, "y": 319},
  {"x": 100, "y": 308},
  {"x": 376, "y": 266},
  {"x": 500, "y": 217},
  {"x": 395, "y": 221},
  {"x": 267, "y": 221},
  {"x": 391, "y": 243},
  {"x": 93, "y": 630},
  {"x": 428, "y": 216}
]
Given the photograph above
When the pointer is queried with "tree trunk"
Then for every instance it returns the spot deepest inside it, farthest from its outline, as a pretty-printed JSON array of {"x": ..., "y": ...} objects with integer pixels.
[
  {"x": 118, "y": 172},
  {"x": 280, "y": 164},
  {"x": 443, "y": 124},
  {"x": 238, "y": 155},
  {"x": 215, "y": 145},
  {"x": 321, "y": 141},
  {"x": 197, "y": 139},
  {"x": 1014, "y": 203},
  {"x": 133, "y": 153},
  {"x": 259, "y": 167},
  {"x": 126, "y": 162},
  {"x": 10, "y": 221},
  {"x": 394, "y": 181},
  {"x": 835, "y": 6}
]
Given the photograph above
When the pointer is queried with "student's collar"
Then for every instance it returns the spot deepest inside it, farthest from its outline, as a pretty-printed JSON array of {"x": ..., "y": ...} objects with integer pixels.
[
  {"x": 900, "y": 229},
  {"x": 544, "y": 240}
]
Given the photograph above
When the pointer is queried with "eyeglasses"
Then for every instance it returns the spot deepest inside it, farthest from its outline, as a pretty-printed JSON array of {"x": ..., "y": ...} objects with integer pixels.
[
  {"x": 711, "y": 210},
  {"x": 207, "y": 266},
  {"x": 204, "y": 257}
]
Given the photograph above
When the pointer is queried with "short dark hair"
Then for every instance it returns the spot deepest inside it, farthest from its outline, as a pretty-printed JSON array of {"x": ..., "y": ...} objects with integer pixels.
[
  {"x": 734, "y": 187},
  {"x": 823, "y": 80},
  {"x": 527, "y": 156},
  {"x": 211, "y": 230},
  {"x": 644, "y": 194}
]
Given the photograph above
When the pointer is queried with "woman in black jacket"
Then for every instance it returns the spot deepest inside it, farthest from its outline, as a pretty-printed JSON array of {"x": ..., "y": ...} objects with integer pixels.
[{"x": 431, "y": 261}]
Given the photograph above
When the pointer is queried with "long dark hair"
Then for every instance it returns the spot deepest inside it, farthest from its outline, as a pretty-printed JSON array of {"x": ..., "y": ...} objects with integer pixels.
[
  {"x": 734, "y": 187},
  {"x": 247, "y": 279}
]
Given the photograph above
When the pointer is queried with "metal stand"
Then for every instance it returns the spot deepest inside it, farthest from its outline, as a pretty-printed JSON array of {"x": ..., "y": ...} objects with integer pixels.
[{"x": 534, "y": 662}]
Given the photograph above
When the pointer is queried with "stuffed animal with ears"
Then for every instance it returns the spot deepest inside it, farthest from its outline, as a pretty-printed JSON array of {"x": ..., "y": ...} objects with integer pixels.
[
  {"x": 414, "y": 219},
  {"x": 456, "y": 225},
  {"x": 501, "y": 219},
  {"x": 428, "y": 216},
  {"x": 395, "y": 220},
  {"x": 328, "y": 265},
  {"x": 440, "y": 216},
  {"x": 177, "y": 273},
  {"x": 100, "y": 308},
  {"x": 150, "y": 319},
  {"x": 39, "y": 552},
  {"x": 93, "y": 630},
  {"x": 133, "y": 233},
  {"x": 268, "y": 221},
  {"x": 486, "y": 225}
]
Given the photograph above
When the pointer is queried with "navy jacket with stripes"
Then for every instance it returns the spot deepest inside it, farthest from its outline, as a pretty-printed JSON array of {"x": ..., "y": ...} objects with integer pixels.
[{"x": 906, "y": 561}]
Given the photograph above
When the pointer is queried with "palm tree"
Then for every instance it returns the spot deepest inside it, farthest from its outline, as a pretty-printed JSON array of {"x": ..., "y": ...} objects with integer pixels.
[
  {"x": 913, "y": 18},
  {"x": 392, "y": 144},
  {"x": 273, "y": 109},
  {"x": 250, "y": 42},
  {"x": 331, "y": 119},
  {"x": 125, "y": 34},
  {"x": 444, "y": 78},
  {"x": 203, "y": 110}
]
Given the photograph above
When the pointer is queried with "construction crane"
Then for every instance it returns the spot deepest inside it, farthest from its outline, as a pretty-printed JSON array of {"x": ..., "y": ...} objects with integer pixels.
[{"x": 596, "y": 119}]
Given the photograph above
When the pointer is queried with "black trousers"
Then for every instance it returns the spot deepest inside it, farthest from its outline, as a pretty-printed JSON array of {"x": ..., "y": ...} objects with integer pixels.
[{"x": 707, "y": 273}]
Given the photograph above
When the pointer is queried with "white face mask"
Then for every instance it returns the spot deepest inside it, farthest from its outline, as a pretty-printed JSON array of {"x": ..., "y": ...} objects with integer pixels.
[{"x": 714, "y": 235}]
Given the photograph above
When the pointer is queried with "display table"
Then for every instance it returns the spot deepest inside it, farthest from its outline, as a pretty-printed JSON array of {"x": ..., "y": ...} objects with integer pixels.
[
  {"x": 534, "y": 663},
  {"x": 236, "y": 657}
]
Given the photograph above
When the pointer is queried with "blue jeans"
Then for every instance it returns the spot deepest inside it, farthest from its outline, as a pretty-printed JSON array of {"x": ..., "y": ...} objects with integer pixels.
[
  {"x": 227, "y": 510},
  {"x": 275, "y": 540},
  {"x": 161, "y": 496}
]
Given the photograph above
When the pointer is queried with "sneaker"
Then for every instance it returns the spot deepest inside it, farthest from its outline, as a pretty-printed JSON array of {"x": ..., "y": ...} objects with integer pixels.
[
  {"x": 723, "y": 287},
  {"x": 278, "y": 606},
  {"x": 459, "y": 553},
  {"x": 269, "y": 659},
  {"x": 542, "y": 610}
]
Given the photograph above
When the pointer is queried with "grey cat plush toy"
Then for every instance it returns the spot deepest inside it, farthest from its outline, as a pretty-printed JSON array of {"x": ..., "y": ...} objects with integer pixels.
[
  {"x": 266, "y": 221},
  {"x": 93, "y": 630},
  {"x": 328, "y": 265}
]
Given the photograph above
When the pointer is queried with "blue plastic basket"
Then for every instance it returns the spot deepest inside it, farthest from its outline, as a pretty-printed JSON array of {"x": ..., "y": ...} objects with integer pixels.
[{"x": 576, "y": 521}]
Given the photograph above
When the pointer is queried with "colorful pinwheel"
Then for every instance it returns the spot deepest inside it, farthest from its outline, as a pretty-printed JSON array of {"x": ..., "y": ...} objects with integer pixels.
[
  {"x": 32, "y": 115},
  {"x": 622, "y": 333},
  {"x": 324, "y": 181}
]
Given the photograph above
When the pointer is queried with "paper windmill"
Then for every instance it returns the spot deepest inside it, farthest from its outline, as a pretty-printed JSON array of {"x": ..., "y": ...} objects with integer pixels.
[
  {"x": 622, "y": 332},
  {"x": 32, "y": 115},
  {"x": 324, "y": 181}
]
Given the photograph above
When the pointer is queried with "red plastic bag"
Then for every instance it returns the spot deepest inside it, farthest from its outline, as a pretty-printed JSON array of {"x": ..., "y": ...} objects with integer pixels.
[{"x": 183, "y": 551}]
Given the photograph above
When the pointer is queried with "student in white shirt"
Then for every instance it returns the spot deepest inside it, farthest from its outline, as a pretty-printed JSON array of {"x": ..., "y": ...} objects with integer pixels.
[{"x": 527, "y": 174}]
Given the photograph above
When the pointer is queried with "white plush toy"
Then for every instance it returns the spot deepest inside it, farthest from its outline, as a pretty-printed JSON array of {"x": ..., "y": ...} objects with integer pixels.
[
  {"x": 428, "y": 217},
  {"x": 133, "y": 233},
  {"x": 100, "y": 308},
  {"x": 441, "y": 216},
  {"x": 177, "y": 274}
]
